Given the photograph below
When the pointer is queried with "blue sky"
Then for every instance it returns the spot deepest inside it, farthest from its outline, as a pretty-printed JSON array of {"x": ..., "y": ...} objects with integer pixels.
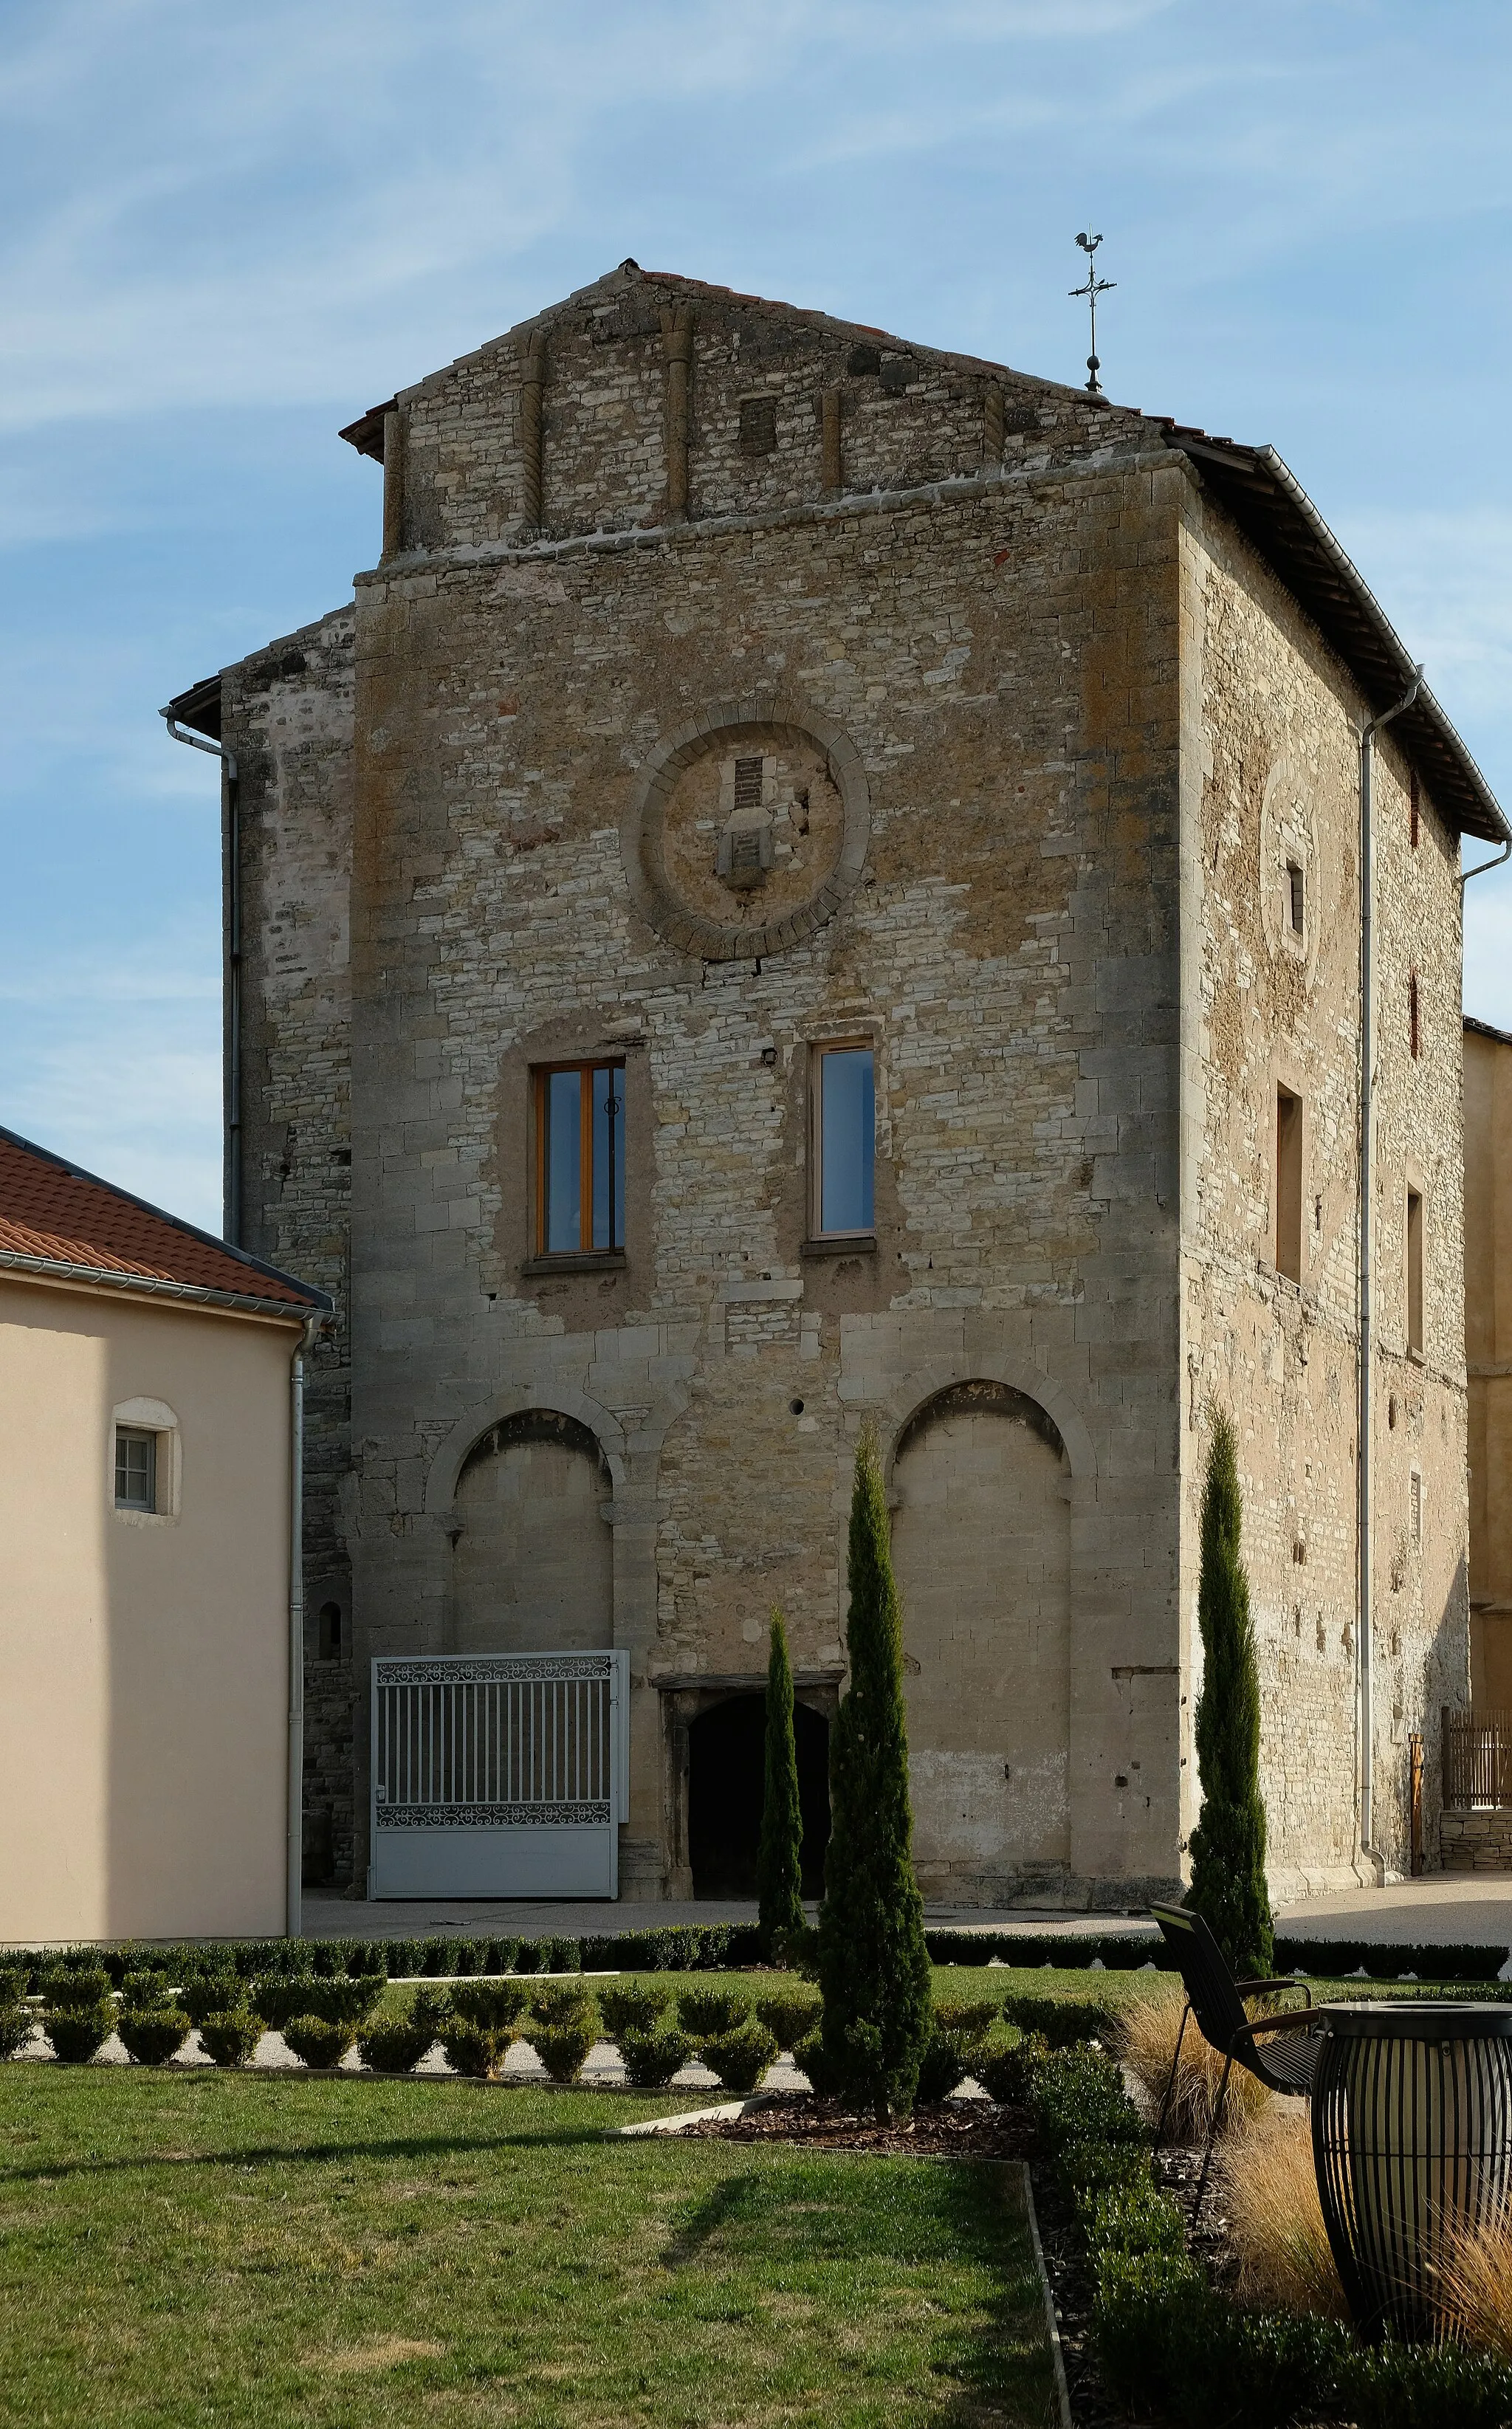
[{"x": 228, "y": 228}]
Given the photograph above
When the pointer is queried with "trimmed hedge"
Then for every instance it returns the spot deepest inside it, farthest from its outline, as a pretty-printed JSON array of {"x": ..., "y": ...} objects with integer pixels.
[
  {"x": 1168, "y": 2339},
  {"x": 1459, "y": 1961},
  {"x": 696, "y": 1948}
]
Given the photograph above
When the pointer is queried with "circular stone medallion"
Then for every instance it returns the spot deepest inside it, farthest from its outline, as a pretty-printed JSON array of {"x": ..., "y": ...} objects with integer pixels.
[{"x": 747, "y": 831}]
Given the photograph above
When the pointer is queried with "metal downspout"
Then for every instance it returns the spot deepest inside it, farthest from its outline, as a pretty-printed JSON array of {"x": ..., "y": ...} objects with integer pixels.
[
  {"x": 1365, "y": 1446},
  {"x": 294, "y": 1816},
  {"x": 231, "y": 804}
]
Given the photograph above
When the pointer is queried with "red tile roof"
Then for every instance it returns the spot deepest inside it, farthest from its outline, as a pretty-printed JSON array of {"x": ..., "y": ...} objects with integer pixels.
[{"x": 54, "y": 1217}]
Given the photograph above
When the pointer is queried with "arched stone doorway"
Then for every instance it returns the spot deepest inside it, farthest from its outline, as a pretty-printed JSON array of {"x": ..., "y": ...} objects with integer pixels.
[
  {"x": 727, "y": 1772},
  {"x": 533, "y": 1562},
  {"x": 981, "y": 1548}
]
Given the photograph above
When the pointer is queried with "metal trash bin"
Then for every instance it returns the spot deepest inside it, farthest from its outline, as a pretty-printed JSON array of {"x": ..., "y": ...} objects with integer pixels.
[{"x": 1412, "y": 2140}]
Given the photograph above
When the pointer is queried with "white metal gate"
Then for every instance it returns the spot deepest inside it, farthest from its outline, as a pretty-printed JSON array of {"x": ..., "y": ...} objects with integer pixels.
[{"x": 498, "y": 1776}]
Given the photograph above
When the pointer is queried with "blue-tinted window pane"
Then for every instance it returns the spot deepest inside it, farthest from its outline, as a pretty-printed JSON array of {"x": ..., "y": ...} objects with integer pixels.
[
  {"x": 609, "y": 1158},
  {"x": 564, "y": 1159},
  {"x": 847, "y": 1144}
]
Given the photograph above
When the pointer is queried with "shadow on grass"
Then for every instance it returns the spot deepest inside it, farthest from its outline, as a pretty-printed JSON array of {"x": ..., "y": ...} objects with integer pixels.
[
  {"x": 960, "y": 2214},
  {"x": 249, "y": 2155}
]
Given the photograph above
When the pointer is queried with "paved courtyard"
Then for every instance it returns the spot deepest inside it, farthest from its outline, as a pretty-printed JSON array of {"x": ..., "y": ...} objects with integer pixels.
[{"x": 1443, "y": 1908}]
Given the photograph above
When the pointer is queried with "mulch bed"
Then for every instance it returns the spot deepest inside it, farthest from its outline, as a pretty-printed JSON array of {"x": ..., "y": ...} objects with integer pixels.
[{"x": 958, "y": 2129}]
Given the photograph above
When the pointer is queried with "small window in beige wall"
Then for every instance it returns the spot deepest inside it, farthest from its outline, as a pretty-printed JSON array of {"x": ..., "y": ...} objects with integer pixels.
[
  {"x": 1296, "y": 898},
  {"x": 330, "y": 1631},
  {"x": 1415, "y": 1508},
  {"x": 1415, "y": 1269},
  {"x": 1288, "y": 1184},
  {"x": 144, "y": 1460},
  {"x": 135, "y": 1468}
]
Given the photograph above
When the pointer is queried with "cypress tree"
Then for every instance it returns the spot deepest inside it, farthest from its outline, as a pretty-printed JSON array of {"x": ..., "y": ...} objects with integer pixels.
[
  {"x": 780, "y": 1859},
  {"x": 1228, "y": 1844},
  {"x": 874, "y": 1969}
]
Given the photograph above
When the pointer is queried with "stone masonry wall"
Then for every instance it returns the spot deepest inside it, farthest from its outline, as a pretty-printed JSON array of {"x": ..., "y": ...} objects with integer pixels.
[
  {"x": 907, "y": 416},
  {"x": 1270, "y": 720},
  {"x": 1001, "y": 658},
  {"x": 286, "y": 714}
]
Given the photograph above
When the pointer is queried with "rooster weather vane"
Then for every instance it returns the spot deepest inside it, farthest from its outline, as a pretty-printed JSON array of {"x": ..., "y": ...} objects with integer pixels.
[{"x": 1092, "y": 290}]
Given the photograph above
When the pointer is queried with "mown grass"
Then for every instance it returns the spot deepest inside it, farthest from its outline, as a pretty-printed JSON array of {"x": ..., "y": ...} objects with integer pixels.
[{"x": 180, "y": 2249}]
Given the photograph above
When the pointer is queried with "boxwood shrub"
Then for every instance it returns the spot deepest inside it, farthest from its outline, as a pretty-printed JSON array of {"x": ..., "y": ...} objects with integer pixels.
[
  {"x": 741, "y": 2056},
  {"x": 231, "y": 2036},
  {"x": 77, "y": 2033},
  {"x": 562, "y": 2046},
  {"x": 319, "y": 2040},
  {"x": 631, "y": 2007},
  {"x": 153, "y": 2035},
  {"x": 652, "y": 2056},
  {"x": 704, "y": 2013}
]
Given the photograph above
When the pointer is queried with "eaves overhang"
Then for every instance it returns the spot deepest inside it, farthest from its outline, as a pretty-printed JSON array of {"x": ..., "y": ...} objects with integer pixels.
[{"x": 1270, "y": 508}]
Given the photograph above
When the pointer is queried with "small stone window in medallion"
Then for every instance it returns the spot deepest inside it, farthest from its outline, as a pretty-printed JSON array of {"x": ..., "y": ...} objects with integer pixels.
[
  {"x": 745, "y": 853},
  {"x": 758, "y": 425},
  {"x": 1296, "y": 897}
]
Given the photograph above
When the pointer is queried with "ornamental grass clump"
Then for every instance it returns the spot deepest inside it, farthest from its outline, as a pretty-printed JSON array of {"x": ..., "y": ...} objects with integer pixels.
[
  {"x": 1228, "y": 1844},
  {"x": 652, "y": 2058},
  {"x": 780, "y": 1853},
  {"x": 1267, "y": 2191},
  {"x": 1476, "y": 2279},
  {"x": 153, "y": 2035},
  {"x": 231, "y": 2038},
  {"x": 741, "y": 2057},
  {"x": 633, "y": 2007},
  {"x": 874, "y": 1968},
  {"x": 317, "y": 2039},
  {"x": 1146, "y": 2038}
]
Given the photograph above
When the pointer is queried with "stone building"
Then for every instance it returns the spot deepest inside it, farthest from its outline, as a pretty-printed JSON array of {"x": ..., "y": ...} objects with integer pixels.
[
  {"x": 1489, "y": 1353},
  {"x": 816, "y": 883}
]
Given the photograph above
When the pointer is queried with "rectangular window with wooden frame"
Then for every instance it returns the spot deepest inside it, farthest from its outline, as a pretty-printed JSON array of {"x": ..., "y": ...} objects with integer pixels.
[
  {"x": 844, "y": 1142},
  {"x": 580, "y": 1159}
]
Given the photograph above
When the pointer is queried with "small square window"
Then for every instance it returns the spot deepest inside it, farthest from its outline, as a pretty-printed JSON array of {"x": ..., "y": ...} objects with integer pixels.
[
  {"x": 580, "y": 1159},
  {"x": 845, "y": 1141},
  {"x": 135, "y": 1468}
]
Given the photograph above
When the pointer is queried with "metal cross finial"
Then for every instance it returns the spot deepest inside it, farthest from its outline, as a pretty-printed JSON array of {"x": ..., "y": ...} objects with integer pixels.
[{"x": 1093, "y": 288}]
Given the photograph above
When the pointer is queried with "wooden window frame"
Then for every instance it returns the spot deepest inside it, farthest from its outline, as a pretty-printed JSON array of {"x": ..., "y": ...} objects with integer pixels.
[
  {"x": 125, "y": 1434},
  {"x": 818, "y": 1049},
  {"x": 541, "y": 1076}
]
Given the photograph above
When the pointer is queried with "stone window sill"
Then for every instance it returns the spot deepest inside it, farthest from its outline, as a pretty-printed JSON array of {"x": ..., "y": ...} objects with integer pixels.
[
  {"x": 858, "y": 1244},
  {"x": 589, "y": 1261}
]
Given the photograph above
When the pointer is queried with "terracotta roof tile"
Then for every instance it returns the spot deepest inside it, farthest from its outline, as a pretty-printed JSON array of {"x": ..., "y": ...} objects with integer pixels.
[{"x": 53, "y": 1213}]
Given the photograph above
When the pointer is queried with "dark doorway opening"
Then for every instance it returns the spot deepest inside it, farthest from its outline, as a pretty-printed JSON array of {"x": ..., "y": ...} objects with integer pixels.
[{"x": 726, "y": 1776}]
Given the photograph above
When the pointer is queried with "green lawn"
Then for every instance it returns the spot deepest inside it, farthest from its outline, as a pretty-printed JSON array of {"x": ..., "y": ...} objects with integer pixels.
[{"x": 211, "y": 2248}]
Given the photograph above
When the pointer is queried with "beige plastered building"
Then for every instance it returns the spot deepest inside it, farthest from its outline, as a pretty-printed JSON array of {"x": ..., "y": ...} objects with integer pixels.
[
  {"x": 146, "y": 1512},
  {"x": 739, "y": 688}
]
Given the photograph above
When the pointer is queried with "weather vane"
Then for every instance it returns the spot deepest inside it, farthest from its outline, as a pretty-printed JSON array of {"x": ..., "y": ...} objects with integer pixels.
[{"x": 1093, "y": 288}]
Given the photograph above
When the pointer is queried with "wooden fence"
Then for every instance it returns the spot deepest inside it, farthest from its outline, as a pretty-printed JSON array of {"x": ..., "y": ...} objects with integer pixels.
[{"x": 1477, "y": 1758}]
